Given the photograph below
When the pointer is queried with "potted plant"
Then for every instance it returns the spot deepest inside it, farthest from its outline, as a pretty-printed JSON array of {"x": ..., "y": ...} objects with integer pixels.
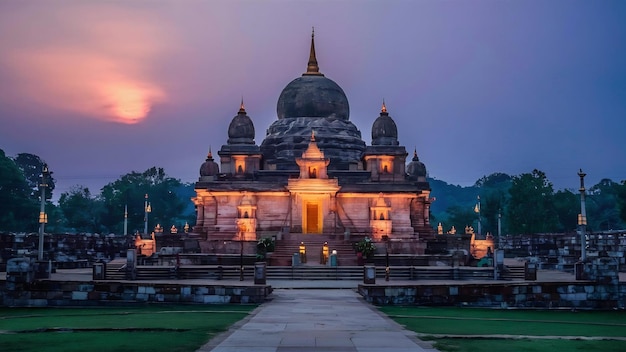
[
  {"x": 366, "y": 247},
  {"x": 264, "y": 246}
]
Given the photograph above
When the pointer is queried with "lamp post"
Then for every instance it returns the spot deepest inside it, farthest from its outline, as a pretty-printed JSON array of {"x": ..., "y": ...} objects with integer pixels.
[
  {"x": 582, "y": 217},
  {"x": 147, "y": 209},
  {"x": 240, "y": 255},
  {"x": 477, "y": 210},
  {"x": 43, "y": 217},
  {"x": 125, "y": 220},
  {"x": 387, "y": 269},
  {"x": 500, "y": 245}
]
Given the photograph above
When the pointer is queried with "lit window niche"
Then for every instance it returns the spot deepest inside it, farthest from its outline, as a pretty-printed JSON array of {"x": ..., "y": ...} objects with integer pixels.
[
  {"x": 385, "y": 166},
  {"x": 240, "y": 166}
]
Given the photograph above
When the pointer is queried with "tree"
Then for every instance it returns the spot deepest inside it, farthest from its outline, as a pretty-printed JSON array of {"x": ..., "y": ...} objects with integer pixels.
[
  {"x": 621, "y": 200},
  {"x": 31, "y": 166},
  {"x": 494, "y": 190},
  {"x": 18, "y": 211},
  {"x": 81, "y": 211},
  {"x": 130, "y": 190},
  {"x": 492, "y": 204},
  {"x": 603, "y": 211},
  {"x": 531, "y": 208},
  {"x": 459, "y": 217},
  {"x": 497, "y": 180},
  {"x": 567, "y": 207}
]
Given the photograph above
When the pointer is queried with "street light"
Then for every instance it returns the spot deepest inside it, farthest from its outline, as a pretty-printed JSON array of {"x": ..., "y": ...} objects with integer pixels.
[
  {"x": 241, "y": 255},
  {"x": 147, "y": 209},
  {"x": 500, "y": 246},
  {"x": 387, "y": 269},
  {"x": 477, "y": 210},
  {"x": 582, "y": 217},
  {"x": 43, "y": 217}
]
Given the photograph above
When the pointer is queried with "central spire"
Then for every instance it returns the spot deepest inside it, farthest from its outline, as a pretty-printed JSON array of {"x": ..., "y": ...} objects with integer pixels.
[{"x": 312, "y": 68}]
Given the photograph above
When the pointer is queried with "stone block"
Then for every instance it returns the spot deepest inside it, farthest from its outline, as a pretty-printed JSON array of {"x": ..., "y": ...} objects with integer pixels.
[
  {"x": 128, "y": 296},
  {"x": 54, "y": 295},
  {"x": 38, "y": 302},
  {"x": 143, "y": 297},
  {"x": 38, "y": 295},
  {"x": 85, "y": 288},
  {"x": 128, "y": 289},
  {"x": 391, "y": 291},
  {"x": 581, "y": 296},
  {"x": 173, "y": 298},
  {"x": 80, "y": 295},
  {"x": 201, "y": 290}
]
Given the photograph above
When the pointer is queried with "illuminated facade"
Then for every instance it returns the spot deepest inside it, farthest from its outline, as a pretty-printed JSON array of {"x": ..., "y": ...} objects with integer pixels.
[{"x": 313, "y": 173}]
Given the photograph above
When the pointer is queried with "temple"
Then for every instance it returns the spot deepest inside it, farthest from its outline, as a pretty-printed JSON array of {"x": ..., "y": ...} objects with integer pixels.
[{"x": 313, "y": 174}]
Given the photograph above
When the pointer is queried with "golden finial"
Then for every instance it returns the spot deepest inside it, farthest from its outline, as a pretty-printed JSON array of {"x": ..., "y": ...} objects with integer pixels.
[
  {"x": 312, "y": 68},
  {"x": 210, "y": 156},
  {"x": 384, "y": 108},
  {"x": 242, "y": 109}
]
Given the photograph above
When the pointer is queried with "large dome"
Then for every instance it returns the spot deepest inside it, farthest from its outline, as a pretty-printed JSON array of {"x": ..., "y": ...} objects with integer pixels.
[
  {"x": 312, "y": 103},
  {"x": 313, "y": 96}
]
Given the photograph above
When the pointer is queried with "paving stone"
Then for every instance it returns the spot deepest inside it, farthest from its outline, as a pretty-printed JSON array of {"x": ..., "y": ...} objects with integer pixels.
[{"x": 317, "y": 320}]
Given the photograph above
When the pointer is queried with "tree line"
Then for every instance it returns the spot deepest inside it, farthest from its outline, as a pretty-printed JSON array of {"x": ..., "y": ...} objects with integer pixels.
[
  {"x": 81, "y": 211},
  {"x": 527, "y": 204},
  {"x": 524, "y": 204}
]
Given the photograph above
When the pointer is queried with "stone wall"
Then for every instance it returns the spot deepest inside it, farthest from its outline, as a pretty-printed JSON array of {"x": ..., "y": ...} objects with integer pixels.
[
  {"x": 583, "y": 295},
  {"x": 46, "y": 293}
]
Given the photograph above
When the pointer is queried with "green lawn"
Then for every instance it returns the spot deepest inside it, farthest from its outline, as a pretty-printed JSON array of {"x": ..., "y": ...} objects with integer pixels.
[
  {"x": 471, "y": 329},
  {"x": 150, "y": 328}
]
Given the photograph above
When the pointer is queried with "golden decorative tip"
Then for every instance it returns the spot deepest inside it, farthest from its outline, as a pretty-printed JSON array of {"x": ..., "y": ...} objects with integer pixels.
[
  {"x": 312, "y": 68},
  {"x": 384, "y": 108},
  {"x": 242, "y": 108}
]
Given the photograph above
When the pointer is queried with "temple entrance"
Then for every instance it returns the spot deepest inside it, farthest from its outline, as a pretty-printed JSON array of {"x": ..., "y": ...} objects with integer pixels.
[{"x": 312, "y": 218}]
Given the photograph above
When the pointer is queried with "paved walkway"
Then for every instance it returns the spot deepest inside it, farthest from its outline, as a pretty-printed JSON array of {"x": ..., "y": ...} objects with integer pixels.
[{"x": 317, "y": 320}]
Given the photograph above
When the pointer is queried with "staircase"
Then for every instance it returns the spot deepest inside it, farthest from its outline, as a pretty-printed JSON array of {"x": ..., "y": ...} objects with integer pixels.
[
  {"x": 115, "y": 269},
  {"x": 515, "y": 273},
  {"x": 286, "y": 247}
]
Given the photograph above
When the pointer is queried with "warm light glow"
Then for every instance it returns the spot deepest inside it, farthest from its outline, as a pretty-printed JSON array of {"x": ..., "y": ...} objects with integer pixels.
[
  {"x": 100, "y": 65},
  {"x": 129, "y": 102}
]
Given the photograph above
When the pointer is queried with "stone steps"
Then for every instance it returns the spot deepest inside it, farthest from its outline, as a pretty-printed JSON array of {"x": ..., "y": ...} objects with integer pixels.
[
  {"x": 290, "y": 244},
  {"x": 517, "y": 272}
]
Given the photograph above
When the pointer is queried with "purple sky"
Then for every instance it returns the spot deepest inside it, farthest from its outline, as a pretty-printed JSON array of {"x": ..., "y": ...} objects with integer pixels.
[{"x": 99, "y": 89}]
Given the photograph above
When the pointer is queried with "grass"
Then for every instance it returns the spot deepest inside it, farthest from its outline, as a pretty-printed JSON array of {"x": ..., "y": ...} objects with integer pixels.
[
  {"x": 470, "y": 329},
  {"x": 150, "y": 328}
]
